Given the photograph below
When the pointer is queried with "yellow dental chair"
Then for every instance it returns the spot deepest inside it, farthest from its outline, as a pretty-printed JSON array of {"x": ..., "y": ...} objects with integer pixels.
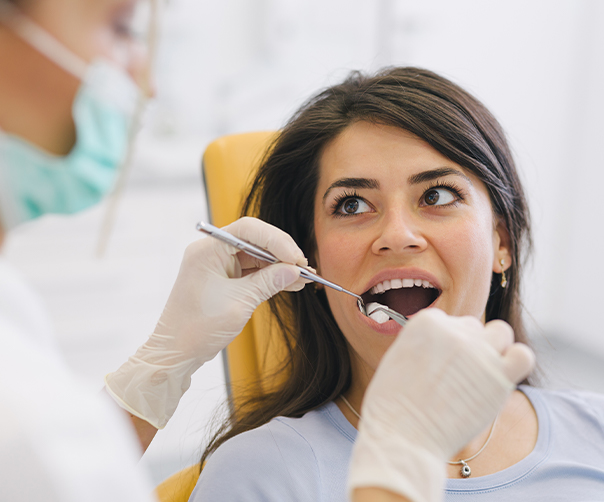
[{"x": 228, "y": 166}]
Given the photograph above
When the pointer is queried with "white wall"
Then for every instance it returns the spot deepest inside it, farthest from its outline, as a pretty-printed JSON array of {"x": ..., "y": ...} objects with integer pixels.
[
  {"x": 239, "y": 65},
  {"x": 537, "y": 65}
]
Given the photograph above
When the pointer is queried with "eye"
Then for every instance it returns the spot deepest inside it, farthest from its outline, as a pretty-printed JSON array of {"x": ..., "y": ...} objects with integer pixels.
[
  {"x": 123, "y": 30},
  {"x": 128, "y": 20},
  {"x": 351, "y": 206},
  {"x": 439, "y": 197}
]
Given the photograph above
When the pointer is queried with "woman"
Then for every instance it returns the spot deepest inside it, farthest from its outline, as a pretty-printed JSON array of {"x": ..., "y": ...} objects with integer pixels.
[{"x": 400, "y": 187}]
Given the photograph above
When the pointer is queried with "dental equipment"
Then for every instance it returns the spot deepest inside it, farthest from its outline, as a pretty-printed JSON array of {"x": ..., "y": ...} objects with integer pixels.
[{"x": 264, "y": 255}]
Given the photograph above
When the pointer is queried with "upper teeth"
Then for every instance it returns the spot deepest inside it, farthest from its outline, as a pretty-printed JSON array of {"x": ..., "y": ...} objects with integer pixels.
[{"x": 398, "y": 284}]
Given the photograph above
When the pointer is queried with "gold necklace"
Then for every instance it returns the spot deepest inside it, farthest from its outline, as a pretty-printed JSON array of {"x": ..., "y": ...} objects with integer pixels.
[{"x": 465, "y": 472}]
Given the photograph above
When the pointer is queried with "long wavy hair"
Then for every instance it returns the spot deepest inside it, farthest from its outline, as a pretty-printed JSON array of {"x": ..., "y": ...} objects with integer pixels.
[{"x": 317, "y": 368}]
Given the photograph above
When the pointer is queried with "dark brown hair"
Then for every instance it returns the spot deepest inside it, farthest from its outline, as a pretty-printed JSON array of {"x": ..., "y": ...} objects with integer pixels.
[{"x": 283, "y": 192}]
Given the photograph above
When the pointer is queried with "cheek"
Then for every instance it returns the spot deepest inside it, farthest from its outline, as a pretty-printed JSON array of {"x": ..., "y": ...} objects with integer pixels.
[
  {"x": 339, "y": 256},
  {"x": 338, "y": 251},
  {"x": 468, "y": 255}
]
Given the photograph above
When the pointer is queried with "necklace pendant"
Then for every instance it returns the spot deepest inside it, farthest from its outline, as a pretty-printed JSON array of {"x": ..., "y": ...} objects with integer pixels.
[{"x": 465, "y": 470}]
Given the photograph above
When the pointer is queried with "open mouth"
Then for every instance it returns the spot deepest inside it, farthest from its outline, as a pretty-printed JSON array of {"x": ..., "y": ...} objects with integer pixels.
[{"x": 406, "y": 296}]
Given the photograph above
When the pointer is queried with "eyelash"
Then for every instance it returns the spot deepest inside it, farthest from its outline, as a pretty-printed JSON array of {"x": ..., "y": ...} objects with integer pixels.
[
  {"x": 339, "y": 201},
  {"x": 447, "y": 185}
]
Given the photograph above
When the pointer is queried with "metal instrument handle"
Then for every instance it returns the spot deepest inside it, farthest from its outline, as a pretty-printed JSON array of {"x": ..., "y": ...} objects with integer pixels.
[{"x": 263, "y": 254}]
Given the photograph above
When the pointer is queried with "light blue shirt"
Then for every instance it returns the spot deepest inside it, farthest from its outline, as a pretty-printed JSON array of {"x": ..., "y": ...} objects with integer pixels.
[{"x": 306, "y": 459}]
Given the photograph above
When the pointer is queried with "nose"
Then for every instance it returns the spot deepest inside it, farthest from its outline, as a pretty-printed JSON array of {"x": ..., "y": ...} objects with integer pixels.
[
  {"x": 140, "y": 69},
  {"x": 136, "y": 59},
  {"x": 399, "y": 232}
]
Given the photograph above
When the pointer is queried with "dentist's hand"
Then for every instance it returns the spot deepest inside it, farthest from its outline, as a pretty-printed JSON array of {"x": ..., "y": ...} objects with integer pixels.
[
  {"x": 216, "y": 291},
  {"x": 443, "y": 380}
]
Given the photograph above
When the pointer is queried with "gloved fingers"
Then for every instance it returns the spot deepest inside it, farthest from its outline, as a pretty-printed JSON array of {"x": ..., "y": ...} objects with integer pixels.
[
  {"x": 269, "y": 281},
  {"x": 298, "y": 285},
  {"x": 250, "y": 265},
  {"x": 518, "y": 362},
  {"x": 426, "y": 320},
  {"x": 268, "y": 237},
  {"x": 472, "y": 325},
  {"x": 437, "y": 320},
  {"x": 499, "y": 334}
]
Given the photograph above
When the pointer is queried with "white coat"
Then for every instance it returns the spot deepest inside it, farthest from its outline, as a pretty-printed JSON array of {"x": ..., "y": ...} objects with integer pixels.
[{"x": 59, "y": 440}]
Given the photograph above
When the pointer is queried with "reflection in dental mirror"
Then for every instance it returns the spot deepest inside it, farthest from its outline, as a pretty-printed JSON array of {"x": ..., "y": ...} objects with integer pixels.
[{"x": 377, "y": 315}]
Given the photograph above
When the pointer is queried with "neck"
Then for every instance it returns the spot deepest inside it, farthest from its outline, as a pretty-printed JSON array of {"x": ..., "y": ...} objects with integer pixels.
[
  {"x": 361, "y": 376},
  {"x": 474, "y": 445},
  {"x": 514, "y": 437}
]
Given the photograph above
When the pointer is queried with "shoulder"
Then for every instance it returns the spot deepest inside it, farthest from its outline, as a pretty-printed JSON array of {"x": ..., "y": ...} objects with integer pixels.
[
  {"x": 572, "y": 407},
  {"x": 568, "y": 457},
  {"x": 281, "y": 460},
  {"x": 569, "y": 398},
  {"x": 272, "y": 462}
]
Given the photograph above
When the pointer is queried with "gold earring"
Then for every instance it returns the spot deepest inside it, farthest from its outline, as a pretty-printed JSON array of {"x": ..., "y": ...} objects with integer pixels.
[{"x": 504, "y": 281}]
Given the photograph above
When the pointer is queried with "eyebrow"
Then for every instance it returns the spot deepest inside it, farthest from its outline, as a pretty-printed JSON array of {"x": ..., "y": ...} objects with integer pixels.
[
  {"x": 416, "y": 179},
  {"x": 433, "y": 174},
  {"x": 368, "y": 183}
]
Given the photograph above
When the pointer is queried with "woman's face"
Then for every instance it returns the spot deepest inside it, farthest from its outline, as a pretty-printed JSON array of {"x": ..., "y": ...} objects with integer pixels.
[{"x": 402, "y": 225}]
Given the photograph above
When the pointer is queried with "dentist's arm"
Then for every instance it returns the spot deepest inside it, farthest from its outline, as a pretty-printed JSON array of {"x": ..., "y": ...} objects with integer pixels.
[
  {"x": 442, "y": 381},
  {"x": 215, "y": 294}
]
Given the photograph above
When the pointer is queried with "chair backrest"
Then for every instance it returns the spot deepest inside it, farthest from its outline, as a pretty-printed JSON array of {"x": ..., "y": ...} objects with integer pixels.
[
  {"x": 229, "y": 164},
  {"x": 179, "y": 486}
]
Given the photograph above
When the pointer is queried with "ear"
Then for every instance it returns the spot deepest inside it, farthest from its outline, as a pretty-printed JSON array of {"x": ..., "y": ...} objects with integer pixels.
[{"x": 501, "y": 247}]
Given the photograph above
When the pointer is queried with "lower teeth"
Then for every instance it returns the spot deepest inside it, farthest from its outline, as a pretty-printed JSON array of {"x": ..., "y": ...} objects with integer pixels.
[{"x": 377, "y": 315}]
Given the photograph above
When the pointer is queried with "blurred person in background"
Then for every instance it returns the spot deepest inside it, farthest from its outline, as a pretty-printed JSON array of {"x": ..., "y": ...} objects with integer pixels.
[{"x": 72, "y": 75}]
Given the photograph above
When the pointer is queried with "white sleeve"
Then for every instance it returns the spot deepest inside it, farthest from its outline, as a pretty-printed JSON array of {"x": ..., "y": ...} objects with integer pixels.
[{"x": 60, "y": 441}]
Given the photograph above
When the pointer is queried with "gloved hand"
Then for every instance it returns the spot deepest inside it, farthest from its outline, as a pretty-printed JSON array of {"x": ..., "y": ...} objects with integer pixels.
[
  {"x": 216, "y": 291},
  {"x": 443, "y": 380}
]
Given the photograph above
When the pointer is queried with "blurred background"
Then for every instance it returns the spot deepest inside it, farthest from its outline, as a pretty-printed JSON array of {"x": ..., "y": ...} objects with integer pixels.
[{"x": 245, "y": 65}]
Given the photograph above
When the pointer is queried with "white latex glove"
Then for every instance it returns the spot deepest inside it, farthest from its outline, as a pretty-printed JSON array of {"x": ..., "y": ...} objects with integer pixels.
[
  {"x": 443, "y": 380},
  {"x": 216, "y": 291}
]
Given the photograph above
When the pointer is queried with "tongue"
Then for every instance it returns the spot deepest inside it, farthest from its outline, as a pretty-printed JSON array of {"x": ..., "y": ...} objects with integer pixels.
[{"x": 406, "y": 301}]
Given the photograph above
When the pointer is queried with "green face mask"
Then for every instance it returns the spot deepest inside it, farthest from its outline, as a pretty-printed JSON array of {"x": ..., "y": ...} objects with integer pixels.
[{"x": 34, "y": 183}]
